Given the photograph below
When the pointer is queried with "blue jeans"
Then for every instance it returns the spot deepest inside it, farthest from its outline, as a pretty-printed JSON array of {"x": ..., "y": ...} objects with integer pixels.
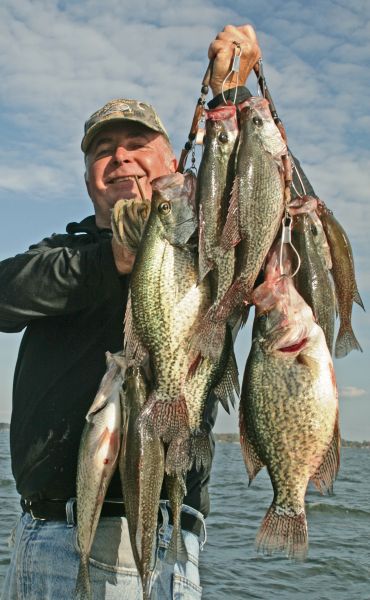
[{"x": 45, "y": 562}]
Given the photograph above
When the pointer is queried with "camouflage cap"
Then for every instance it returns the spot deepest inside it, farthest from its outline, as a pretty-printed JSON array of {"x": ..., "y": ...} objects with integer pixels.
[{"x": 122, "y": 109}]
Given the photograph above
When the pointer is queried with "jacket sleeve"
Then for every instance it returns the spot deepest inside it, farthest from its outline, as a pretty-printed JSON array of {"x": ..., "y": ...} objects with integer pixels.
[{"x": 49, "y": 281}]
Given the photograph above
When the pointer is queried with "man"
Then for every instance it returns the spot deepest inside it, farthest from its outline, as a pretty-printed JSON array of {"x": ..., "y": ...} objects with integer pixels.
[{"x": 69, "y": 292}]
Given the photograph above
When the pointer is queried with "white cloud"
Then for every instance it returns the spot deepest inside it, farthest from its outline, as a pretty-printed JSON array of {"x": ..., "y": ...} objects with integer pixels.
[{"x": 351, "y": 392}]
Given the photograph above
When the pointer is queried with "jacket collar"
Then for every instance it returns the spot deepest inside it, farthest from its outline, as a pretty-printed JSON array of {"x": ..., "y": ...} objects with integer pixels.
[{"x": 88, "y": 225}]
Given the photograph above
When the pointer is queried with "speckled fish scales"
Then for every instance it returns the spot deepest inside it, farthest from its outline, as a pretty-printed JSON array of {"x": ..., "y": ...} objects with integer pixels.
[
  {"x": 289, "y": 418},
  {"x": 167, "y": 303},
  {"x": 257, "y": 201},
  {"x": 343, "y": 270},
  {"x": 214, "y": 183},
  {"x": 141, "y": 465},
  {"x": 313, "y": 280}
]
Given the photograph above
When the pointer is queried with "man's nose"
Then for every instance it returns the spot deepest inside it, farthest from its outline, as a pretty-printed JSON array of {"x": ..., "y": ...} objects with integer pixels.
[{"x": 121, "y": 155}]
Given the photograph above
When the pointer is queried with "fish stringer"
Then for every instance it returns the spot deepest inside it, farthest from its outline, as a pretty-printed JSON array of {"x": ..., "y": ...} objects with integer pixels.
[
  {"x": 286, "y": 238},
  {"x": 196, "y": 133},
  {"x": 235, "y": 68}
]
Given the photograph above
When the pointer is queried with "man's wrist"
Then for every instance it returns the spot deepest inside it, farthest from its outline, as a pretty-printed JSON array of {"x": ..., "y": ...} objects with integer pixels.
[{"x": 240, "y": 94}]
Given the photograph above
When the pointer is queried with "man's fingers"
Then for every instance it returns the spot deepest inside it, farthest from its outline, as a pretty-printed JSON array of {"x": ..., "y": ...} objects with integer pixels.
[
  {"x": 218, "y": 46},
  {"x": 222, "y": 50}
]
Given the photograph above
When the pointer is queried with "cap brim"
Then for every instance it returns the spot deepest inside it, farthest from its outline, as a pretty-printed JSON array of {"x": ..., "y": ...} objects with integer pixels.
[{"x": 94, "y": 129}]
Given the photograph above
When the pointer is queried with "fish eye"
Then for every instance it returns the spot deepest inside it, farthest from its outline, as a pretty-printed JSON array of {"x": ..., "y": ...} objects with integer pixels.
[
  {"x": 223, "y": 137},
  {"x": 262, "y": 318},
  {"x": 314, "y": 229},
  {"x": 257, "y": 121},
  {"x": 164, "y": 208}
]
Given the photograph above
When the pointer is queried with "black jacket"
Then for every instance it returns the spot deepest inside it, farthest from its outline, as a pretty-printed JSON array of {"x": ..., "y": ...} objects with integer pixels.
[{"x": 67, "y": 293}]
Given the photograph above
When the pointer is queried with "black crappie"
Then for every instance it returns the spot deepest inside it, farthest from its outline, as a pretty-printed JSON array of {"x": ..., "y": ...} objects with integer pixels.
[
  {"x": 288, "y": 412},
  {"x": 257, "y": 201},
  {"x": 343, "y": 271}
]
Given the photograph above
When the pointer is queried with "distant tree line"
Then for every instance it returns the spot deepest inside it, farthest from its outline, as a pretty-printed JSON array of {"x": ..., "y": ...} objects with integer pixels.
[{"x": 234, "y": 437}]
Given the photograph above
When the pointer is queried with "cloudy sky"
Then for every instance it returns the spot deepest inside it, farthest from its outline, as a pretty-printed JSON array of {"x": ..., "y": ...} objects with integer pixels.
[{"x": 61, "y": 60}]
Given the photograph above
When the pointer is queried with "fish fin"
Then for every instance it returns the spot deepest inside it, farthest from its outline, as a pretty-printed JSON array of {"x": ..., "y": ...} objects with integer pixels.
[
  {"x": 346, "y": 341},
  {"x": 326, "y": 473},
  {"x": 204, "y": 265},
  {"x": 168, "y": 418},
  {"x": 179, "y": 455},
  {"x": 135, "y": 351},
  {"x": 83, "y": 585},
  {"x": 108, "y": 384},
  {"x": 201, "y": 450},
  {"x": 245, "y": 314},
  {"x": 285, "y": 531},
  {"x": 209, "y": 337},
  {"x": 252, "y": 461},
  {"x": 229, "y": 385},
  {"x": 234, "y": 298},
  {"x": 230, "y": 236},
  {"x": 357, "y": 298}
]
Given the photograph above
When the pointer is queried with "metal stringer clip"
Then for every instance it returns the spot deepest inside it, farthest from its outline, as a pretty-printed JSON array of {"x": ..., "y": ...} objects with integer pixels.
[
  {"x": 235, "y": 68},
  {"x": 286, "y": 238}
]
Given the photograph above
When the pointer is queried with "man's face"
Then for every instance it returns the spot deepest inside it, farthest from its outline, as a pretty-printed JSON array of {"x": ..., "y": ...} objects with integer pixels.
[{"x": 116, "y": 154}]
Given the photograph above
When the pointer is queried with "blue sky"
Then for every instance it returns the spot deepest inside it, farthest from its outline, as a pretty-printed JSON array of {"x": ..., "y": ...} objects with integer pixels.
[{"x": 60, "y": 61}]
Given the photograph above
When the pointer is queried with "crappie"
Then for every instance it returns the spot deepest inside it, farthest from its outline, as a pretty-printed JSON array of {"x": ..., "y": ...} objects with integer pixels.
[
  {"x": 257, "y": 201},
  {"x": 165, "y": 303},
  {"x": 344, "y": 280},
  {"x": 97, "y": 460},
  {"x": 288, "y": 413},
  {"x": 313, "y": 280},
  {"x": 215, "y": 177},
  {"x": 141, "y": 465}
]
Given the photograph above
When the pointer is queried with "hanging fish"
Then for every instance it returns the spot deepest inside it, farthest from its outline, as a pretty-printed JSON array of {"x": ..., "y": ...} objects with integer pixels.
[{"x": 343, "y": 271}]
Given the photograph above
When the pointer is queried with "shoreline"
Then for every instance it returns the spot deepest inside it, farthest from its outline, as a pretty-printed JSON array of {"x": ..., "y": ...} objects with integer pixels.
[{"x": 234, "y": 438}]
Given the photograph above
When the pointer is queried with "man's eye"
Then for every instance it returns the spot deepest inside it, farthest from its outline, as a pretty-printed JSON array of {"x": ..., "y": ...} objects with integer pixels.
[
  {"x": 136, "y": 146},
  {"x": 103, "y": 152}
]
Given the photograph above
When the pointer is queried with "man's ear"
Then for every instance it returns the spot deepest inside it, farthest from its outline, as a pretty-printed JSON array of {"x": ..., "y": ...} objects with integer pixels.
[
  {"x": 87, "y": 184},
  {"x": 173, "y": 165}
]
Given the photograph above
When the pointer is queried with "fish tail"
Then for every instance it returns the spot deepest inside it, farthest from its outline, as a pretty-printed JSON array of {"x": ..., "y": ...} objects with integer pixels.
[
  {"x": 176, "y": 551},
  {"x": 147, "y": 584},
  {"x": 283, "y": 530},
  {"x": 83, "y": 585},
  {"x": 346, "y": 341},
  {"x": 208, "y": 339}
]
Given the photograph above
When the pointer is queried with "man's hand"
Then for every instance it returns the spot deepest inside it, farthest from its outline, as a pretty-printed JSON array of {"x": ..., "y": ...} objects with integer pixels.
[{"x": 222, "y": 52}]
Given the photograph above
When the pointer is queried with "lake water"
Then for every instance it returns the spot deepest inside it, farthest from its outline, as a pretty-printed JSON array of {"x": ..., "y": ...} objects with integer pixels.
[{"x": 338, "y": 563}]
